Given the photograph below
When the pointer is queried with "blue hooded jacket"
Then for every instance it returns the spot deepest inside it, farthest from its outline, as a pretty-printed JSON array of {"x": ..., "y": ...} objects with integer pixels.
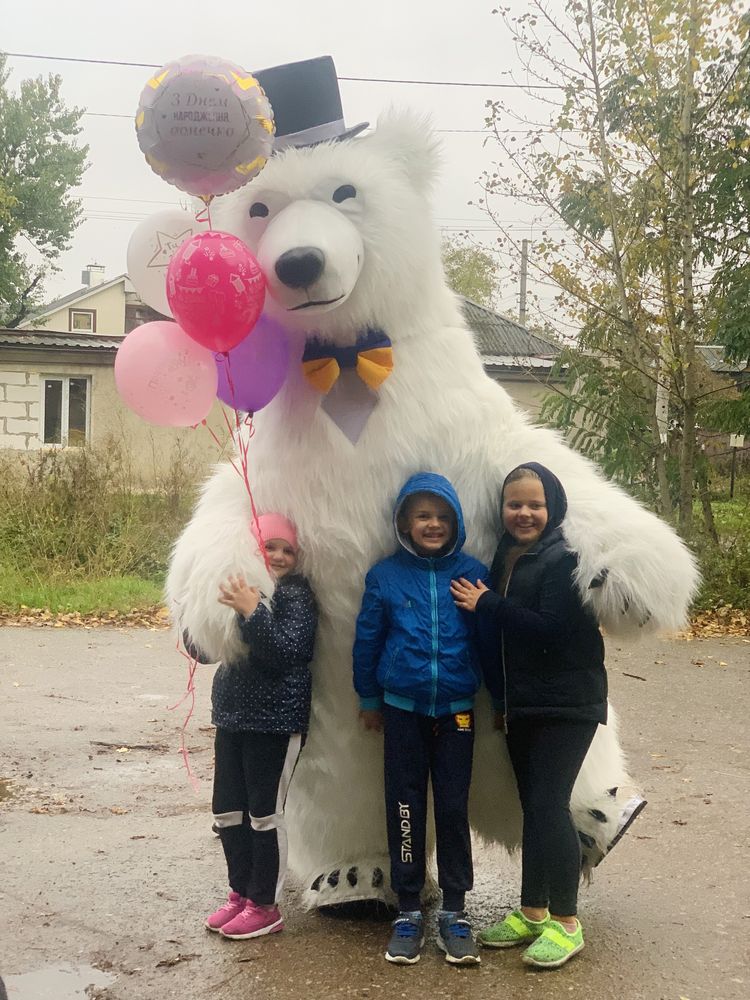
[{"x": 414, "y": 649}]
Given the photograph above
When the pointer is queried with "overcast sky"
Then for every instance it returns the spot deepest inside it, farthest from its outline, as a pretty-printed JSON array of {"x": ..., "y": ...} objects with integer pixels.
[{"x": 403, "y": 39}]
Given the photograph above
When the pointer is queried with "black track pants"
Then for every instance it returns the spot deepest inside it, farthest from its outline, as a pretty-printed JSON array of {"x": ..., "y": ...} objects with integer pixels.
[
  {"x": 417, "y": 748},
  {"x": 252, "y": 774}
]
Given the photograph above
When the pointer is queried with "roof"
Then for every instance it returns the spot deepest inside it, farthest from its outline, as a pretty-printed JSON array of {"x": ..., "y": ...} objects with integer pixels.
[
  {"x": 503, "y": 341},
  {"x": 49, "y": 339},
  {"x": 713, "y": 355},
  {"x": 66, "y": 300}
]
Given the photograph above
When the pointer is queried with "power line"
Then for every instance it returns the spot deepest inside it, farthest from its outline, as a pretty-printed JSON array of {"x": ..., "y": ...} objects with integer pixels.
[
  {"x": 550, "y": 130},
  {"x": 348, "y": 79}
]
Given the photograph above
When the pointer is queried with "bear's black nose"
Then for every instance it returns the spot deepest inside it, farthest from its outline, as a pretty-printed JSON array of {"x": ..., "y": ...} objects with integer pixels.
[{"x": 300, "y": 267}]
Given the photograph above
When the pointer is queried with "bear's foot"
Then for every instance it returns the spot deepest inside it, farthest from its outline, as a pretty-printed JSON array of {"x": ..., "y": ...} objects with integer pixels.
[
  {"x": 628, "y": 806},
  {"x": 351, "y": 883},
  {"x": 359, "y": 890}
]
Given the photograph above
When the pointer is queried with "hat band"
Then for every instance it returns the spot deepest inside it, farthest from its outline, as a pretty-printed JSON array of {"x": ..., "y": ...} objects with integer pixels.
[{"x": 308, "y": 136}]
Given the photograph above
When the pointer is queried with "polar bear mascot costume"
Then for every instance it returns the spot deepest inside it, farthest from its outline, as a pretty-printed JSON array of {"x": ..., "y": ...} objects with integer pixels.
[{"x": 343, "y": 231}]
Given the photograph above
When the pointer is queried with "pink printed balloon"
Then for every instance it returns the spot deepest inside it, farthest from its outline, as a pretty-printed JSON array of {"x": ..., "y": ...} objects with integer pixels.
[
  {"x": 215, "y": 289},
  {"x": 164, "y": 376}
]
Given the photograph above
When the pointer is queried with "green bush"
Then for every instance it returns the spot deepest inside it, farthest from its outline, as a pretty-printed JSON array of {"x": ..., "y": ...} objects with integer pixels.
[
  {"x": 80, "y": 514},
  {"x": 726, "y": 567}
]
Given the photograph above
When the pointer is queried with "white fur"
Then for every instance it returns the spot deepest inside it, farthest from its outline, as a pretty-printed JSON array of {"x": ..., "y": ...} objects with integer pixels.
[{"x": 438, "y": 412}]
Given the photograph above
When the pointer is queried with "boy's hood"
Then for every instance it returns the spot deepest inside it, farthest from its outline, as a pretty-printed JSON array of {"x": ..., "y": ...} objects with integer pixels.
[{"x": 430, "y": 482}]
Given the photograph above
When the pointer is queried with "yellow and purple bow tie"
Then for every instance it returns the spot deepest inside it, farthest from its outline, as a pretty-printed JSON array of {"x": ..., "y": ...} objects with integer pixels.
[{"x": 371, "y": 356}]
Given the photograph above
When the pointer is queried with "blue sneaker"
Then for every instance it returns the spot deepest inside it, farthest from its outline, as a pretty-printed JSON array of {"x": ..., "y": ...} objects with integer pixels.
[
  {"x": 407, "y": 938},
  {"x": 456, "y": 940}
]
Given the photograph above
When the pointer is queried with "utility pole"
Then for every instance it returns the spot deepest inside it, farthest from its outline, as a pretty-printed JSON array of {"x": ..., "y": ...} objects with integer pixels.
[{"x": 524, "y": 272}]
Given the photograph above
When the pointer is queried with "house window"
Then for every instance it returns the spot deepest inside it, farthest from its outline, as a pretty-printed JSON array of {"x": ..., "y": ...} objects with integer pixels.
[
  {"x": 82, "y": 320},
  {"x": 65, "y": 411}
]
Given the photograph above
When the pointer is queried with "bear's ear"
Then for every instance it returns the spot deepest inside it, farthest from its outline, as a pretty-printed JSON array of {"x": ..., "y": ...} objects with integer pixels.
[{"x": 407, "y": 138}]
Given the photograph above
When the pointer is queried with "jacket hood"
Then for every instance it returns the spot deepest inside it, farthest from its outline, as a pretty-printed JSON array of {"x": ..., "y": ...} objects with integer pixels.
[
  {"x": 554, "y": 495},
  {"x": 430, "y": 482}
]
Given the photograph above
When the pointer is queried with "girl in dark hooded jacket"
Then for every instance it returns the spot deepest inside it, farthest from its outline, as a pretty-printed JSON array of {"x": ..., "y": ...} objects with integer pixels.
[{"x": 544, "y": 666}]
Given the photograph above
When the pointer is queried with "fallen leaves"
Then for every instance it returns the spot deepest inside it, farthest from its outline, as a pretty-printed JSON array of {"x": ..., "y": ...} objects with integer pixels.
[
  {"x": 156, "y": 617},
  {"x": 721, "y": 621}
]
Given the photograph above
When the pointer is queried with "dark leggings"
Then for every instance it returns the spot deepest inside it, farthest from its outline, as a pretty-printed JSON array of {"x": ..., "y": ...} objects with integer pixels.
[{"x": 547, "y": 755}]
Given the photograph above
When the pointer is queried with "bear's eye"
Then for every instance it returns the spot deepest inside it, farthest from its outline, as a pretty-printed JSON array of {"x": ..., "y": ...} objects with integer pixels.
[
  {"x": 344, "y": 192},
  {"x": 258, "y": 210}
]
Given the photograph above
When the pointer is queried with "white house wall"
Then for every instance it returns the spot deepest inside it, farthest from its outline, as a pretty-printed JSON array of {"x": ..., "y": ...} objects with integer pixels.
[{"x": 150, "y": 449}]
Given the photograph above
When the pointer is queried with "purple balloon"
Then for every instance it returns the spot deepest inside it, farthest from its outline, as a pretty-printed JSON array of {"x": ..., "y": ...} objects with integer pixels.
[{"x": 257, "y": 367}]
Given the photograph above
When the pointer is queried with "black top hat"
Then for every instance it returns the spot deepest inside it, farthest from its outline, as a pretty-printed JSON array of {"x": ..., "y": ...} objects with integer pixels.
[{"x": 306, "y": 103}]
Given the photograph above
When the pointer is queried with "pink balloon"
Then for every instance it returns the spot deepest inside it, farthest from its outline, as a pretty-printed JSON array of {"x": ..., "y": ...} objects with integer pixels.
[
  {"x": 164, "y": 376},
  {"x": 215, "y": 289},
  {"x": 252, "y": 373}
]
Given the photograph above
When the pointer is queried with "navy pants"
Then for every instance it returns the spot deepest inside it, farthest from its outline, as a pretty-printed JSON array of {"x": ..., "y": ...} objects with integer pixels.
[
  {"x": 252, "y": 773},
  {"x": 417, "y": 748},
  {"x": 547, "y": 755}
]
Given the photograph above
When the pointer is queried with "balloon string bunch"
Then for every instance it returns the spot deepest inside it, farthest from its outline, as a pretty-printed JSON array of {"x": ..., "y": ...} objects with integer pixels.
[
  {"x": 189, "y": 693},
  {"x": 241, "y": 431},
  {"x": 242, "y": 444}
]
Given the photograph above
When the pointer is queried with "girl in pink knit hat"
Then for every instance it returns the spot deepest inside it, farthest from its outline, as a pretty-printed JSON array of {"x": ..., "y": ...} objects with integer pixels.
[{"x": 260, "y": 706}]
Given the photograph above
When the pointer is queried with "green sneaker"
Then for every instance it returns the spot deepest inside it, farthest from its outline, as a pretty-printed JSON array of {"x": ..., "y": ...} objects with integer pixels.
[
  {"x": 554, "y": 946},
  {"x": 515, "y": 929}
]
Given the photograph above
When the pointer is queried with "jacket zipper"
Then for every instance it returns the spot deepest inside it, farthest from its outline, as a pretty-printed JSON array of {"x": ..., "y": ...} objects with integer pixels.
[
  {"x": 435, "y": 630},
  {"x": 502, "y": 658}
]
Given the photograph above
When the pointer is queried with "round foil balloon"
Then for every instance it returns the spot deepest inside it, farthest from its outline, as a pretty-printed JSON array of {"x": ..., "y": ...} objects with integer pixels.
[
  {"x": 152, "y": 245},
  {"x": 215, "y": 289},
  {"x": 204, "y": 125}
]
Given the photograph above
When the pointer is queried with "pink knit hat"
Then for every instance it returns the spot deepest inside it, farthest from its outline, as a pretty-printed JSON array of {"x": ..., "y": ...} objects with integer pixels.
[{"x": 275, "y": 526}]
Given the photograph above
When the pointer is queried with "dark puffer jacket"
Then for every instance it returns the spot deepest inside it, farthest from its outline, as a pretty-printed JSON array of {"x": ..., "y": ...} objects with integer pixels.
[
  {"x": 542, "y": 651},
  {"x": 269, "y": 692}
]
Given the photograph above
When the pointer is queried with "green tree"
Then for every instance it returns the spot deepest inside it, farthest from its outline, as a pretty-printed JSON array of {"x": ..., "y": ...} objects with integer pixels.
[
  {"x": 626, "y": 237},
  {"x": 471, "y": 271},
  {"x": 726, "y": 201},
  {"x": 40, "y": 163}
]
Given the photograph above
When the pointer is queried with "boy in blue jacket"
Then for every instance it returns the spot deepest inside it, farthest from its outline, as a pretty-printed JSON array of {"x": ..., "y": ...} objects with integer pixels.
[{"x": 416, "y": 674}]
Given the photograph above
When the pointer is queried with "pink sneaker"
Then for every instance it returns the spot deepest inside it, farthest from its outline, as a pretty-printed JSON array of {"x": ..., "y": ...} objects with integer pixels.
[
  {"x": 234, "y": 905},
  {"x": 253, "y": 922}
]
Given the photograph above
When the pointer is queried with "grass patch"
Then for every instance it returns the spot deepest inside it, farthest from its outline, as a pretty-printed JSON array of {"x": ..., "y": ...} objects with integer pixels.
[
  {"x": 80, "y": 533},
  {"x": 726, "y": 567},
  {"x": 89, "y": 597}
]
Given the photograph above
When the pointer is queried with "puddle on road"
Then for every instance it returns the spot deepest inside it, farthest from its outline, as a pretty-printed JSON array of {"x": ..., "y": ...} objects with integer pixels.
[
  {"x": 64, "y": 982},
  {"x": 7, "y": 791}
]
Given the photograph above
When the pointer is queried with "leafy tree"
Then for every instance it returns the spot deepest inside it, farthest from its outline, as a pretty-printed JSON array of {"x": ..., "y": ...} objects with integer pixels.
[
  {"x": 634, "y": 101},
  {"x": 40, "y": 162},
  {"x": 471, "y": 271},
  {"x": 726, "y": 201}
]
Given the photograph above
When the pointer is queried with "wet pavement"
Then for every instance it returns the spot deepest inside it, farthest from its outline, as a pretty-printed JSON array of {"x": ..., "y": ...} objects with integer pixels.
[{"x": 109, "y": 864}]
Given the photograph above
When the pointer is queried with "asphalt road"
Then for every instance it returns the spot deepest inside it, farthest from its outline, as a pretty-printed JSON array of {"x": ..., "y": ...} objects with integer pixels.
[{"x": 109, "y": 865}]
